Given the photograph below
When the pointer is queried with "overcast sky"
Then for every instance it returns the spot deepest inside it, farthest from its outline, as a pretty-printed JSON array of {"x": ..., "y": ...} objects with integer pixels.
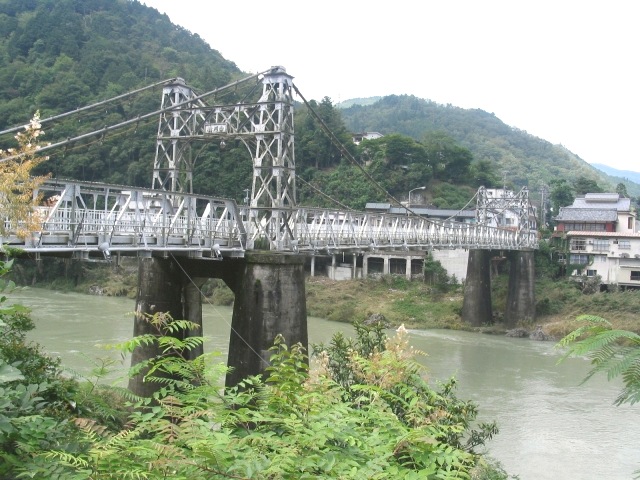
[{"x": 566, "y": 71}]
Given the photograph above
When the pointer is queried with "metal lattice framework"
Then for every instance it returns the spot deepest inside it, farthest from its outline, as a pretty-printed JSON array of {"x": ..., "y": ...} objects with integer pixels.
[
  {"x": 95, "y": 220},
  {"x": 265, "y": 127},
  {"x": 88, "y": 219},
  {"x": 173, "y": 164},
  {"x": 491, "y": 205}
]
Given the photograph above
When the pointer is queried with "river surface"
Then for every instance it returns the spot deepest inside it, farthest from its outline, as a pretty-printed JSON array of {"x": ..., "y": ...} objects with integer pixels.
[{"x": 551, "y": 427}]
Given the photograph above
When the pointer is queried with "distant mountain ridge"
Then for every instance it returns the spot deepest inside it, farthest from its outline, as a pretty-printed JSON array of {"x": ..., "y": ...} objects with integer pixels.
[
  {"x": 57, "y": 55},
  {"x": 621, "y": 174},
  {"x": 522, "y": 158}
]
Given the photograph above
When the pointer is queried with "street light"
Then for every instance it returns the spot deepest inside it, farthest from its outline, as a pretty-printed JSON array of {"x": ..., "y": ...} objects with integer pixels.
[{"x": 413, "y": 190}]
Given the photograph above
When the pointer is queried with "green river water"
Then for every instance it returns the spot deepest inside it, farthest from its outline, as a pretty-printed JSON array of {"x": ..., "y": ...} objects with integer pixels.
[{"x": 551, "y": 427}]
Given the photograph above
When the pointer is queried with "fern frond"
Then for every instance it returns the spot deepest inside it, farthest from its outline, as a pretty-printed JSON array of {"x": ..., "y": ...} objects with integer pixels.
[
  {"x": 595, "y": 324},
  {"x": 66, "y": 458},
  {"x": 177, "y": 326},
  {"x": 614, "y": 352},
  {"x": 626, "y": 359},
  {"x": 631, "y": 379},
  {"x": 91, "y": 427},
  {"x": 138, "y": 341}
]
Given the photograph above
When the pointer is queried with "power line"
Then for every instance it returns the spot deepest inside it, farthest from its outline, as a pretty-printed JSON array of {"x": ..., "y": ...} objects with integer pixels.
[{"x": 336, "y": 142}]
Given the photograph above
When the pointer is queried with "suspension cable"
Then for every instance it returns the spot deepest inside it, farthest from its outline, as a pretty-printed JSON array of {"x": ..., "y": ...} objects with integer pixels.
[
  {"x": 109, "y": 128},
  {"x": 94, "y": 105},
  {"x": 336, "y": 142},
  {"x": 475, "y": 195}
]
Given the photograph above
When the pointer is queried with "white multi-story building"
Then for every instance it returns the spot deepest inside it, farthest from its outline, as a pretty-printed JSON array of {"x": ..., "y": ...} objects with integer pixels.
[{"x": 601, "y": 236}]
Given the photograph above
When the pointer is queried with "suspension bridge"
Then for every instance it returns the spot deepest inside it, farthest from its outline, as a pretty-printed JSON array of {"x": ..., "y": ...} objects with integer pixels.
[{"x": 258, "y": 247}]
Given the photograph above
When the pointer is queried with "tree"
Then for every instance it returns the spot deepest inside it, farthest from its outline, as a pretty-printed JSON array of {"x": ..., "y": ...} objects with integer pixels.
[
  {"x": 313, "y": 145},
  {"x": 561, "y": 194},
  {"x": 483, "y": 174},
  {"x": 621, "y": 189},
  {"x": 17, "y": 184},
  {"x": 583, "y": 185},
  {"x": 450, "y": 161},
  {"x": 435, "y": 274}
]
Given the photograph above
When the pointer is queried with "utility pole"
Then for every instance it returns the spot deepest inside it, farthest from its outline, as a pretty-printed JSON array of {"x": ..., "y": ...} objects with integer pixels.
[{"x": 543, "y": 204}]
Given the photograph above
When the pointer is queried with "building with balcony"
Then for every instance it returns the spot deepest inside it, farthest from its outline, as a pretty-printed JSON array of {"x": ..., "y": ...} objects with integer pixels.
[{"x": 599, "y": 233}]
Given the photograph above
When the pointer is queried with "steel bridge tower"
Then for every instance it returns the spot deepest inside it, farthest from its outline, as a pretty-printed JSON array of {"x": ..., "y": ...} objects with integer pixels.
[
  {"x": 264, "y": 127},
  {"x": 173, "y": 163}
]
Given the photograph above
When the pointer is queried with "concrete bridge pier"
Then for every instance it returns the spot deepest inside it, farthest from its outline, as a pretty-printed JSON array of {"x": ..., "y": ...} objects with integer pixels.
[
  {"x": 521, "y": 301},
  {"x": 476, "y": 306},
  {"x": 269, "y": 300},
  {"x": 162, "y": 288}
]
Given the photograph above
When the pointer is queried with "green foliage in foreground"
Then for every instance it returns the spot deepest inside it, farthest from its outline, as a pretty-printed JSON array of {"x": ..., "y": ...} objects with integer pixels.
[
  {"x": 613, "y": 352},
  {"x": 294, "y": 424},
  {"x": 361, "y": 412}
]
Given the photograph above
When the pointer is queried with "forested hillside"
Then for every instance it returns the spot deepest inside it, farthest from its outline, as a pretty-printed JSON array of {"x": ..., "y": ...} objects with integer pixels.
[
  {"x": 620, "y": 175},
  {"x": 59, "y": 55},
  {"x": 523, "y": 159}
]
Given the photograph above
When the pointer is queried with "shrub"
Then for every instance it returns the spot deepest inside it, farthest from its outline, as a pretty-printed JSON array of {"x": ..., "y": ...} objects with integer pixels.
[{"x": 382, "y": 420}]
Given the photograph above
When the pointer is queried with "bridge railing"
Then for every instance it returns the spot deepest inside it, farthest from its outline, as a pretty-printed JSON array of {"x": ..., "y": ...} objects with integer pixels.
[
  {"x": 98, "y": 218},
  {"x": 87, "y": 217},
  {"x": 330, "y": 230}
]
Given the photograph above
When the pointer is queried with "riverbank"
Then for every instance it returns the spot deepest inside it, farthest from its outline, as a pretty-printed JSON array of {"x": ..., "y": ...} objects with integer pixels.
[
  {"x": 412, "y": 303},
  {"x": 421, "y": 306}
]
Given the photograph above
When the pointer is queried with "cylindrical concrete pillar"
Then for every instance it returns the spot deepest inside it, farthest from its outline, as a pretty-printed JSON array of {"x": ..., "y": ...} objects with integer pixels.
[
  {"x": 159, "y": 290},
  {"x": 521, "y": 299},
  {"x": 476, "y": 306},
  {"x": 192, "y": 311},
  {"x": 354, "y": 265},
  {"x": 270, "y": 300}
]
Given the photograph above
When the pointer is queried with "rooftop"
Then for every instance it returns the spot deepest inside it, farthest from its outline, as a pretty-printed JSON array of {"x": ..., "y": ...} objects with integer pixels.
[
  {"x": 603, "y": 200},
  {"x": 591, "y": 215},
  {"x": 422, "y": 211}
]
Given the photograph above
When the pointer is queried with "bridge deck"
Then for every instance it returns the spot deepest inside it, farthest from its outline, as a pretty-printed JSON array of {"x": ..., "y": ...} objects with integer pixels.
[{"x": 85, "y": 219}]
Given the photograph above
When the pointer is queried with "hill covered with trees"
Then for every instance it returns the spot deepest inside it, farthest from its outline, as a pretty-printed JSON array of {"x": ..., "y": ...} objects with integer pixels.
[
  {"x": 59, "y": 55},
  {"x": 521, "y": 158}
]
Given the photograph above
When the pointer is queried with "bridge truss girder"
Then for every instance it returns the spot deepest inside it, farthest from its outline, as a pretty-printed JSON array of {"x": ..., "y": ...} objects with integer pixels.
[
  {"x": 88, "y": 220},
  {"x": 490, "y": 206}
]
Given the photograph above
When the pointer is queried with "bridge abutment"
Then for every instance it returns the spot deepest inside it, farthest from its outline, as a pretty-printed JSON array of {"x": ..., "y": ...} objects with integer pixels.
[
  {"x": 476, "y": 306},
  {"x": 521, "y": 301},
  {"x": 270, "y": 300}
]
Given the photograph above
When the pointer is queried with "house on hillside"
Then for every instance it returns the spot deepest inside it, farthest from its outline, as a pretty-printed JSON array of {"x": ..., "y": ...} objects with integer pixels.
[
  {"x": 600, "y": 235},
  {"x": 359, "y": 137}
]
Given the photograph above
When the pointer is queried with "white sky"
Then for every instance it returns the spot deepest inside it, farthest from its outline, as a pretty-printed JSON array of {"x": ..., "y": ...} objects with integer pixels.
[{"x": 566, "y": 71}]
